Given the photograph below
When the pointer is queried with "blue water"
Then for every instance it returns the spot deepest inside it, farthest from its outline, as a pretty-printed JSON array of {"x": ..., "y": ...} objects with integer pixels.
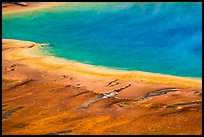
[{"x": 153, "y": 37}]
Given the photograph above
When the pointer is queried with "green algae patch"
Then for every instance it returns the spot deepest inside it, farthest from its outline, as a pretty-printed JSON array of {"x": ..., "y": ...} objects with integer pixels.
[{"x": 7, "y": 81}]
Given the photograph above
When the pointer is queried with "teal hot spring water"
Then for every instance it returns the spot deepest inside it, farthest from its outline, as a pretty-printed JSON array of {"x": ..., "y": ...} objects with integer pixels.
[{"x": 161, "y": 38}]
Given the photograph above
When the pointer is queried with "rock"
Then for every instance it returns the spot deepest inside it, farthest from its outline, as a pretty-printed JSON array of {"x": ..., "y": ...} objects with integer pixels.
[
  {"x": 197, "y": 93},
  {"x": 12, "y": 69},
  {"x": 179, "y": 107},
  {"x": 20, "y": 3}
]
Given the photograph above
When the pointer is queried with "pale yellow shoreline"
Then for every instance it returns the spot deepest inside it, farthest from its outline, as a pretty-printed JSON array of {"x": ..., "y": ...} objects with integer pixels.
[
  {"x": 32, "y": 57},
  {"x": 31, "y": 6}
]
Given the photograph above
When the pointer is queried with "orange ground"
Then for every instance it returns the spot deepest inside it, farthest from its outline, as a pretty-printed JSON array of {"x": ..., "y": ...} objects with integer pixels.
[{"x": 43, "y": 101}]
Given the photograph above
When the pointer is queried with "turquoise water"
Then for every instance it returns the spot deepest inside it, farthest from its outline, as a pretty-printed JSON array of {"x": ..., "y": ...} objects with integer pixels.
[{"x": 153, "y": 37}]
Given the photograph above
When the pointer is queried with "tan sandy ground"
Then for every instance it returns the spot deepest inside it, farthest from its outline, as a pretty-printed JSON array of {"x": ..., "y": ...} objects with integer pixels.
[{"x": 48, "y": 95}]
